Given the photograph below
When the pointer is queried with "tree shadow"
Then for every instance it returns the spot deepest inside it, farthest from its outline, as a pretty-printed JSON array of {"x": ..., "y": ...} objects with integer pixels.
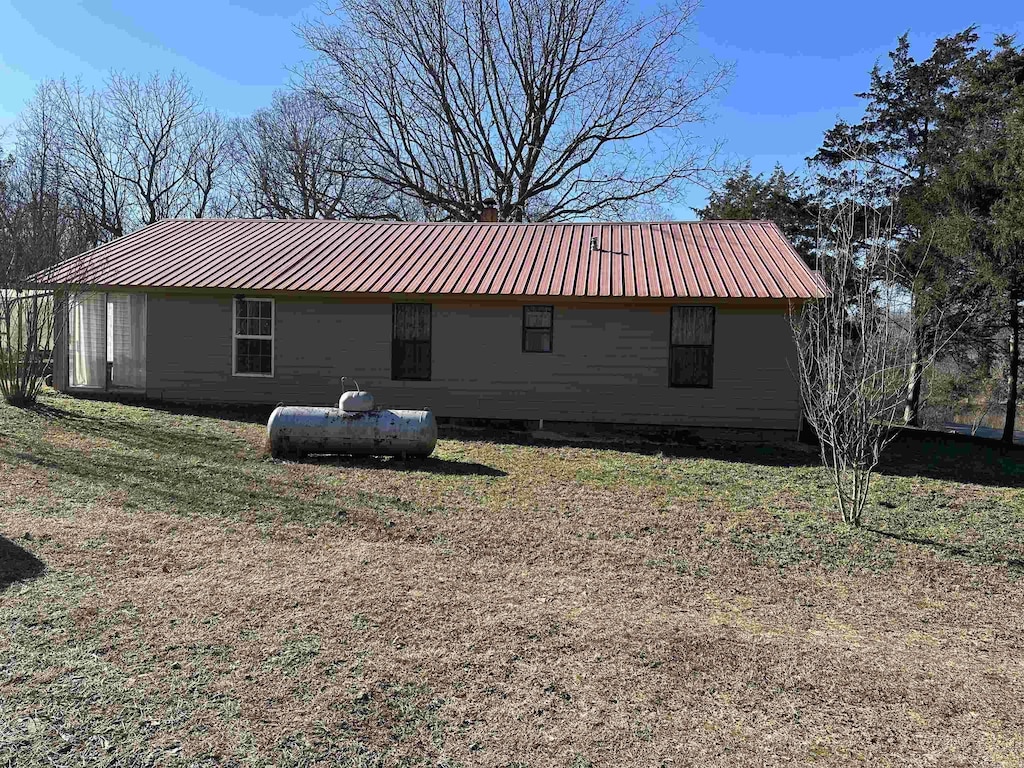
[
  {"x": 17, "y": 564},
  {"x": 933, "y": 455},
  {"x": 726, "y": 445},
  {"x": 979, "y": 557},
  {"x": 246, "y": 414},
  {"x": 942, "y": 457},
  {"x": 240, "y": 412},
  {"x": 915, "y": 453},
  {"x": 146, "y": 435},
  {"x": 427, "y": 464}
]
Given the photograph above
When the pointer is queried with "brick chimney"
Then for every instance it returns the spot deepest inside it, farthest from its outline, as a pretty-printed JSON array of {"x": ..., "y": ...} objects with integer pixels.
[{"x": 489, "y": 210}]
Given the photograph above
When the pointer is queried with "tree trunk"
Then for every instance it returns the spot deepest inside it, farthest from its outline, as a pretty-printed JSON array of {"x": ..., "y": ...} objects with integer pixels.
[
  {"x": 1011, "y": 377},
  {"x": 912, "y": 407}
]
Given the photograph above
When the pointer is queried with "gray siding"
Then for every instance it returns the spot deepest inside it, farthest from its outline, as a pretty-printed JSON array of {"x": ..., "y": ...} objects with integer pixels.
[{"x": 608, "y": 365}]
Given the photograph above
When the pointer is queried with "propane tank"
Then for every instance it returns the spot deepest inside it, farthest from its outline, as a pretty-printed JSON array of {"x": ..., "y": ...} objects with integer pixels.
[{"x": 301, "y": 430}]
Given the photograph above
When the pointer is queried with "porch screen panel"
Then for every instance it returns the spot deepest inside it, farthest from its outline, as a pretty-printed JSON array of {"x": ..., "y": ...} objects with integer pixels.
[
  {"x": 87, "y": 335},
  {"x": 126, "y": 346}
]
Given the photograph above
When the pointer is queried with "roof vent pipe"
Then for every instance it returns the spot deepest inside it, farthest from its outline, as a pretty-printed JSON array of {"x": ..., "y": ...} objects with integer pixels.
[{"x": 489, "y": 210}]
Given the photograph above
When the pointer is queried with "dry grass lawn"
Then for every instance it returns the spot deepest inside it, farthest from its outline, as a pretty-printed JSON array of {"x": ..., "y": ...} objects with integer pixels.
[{"x": 170, "y": 596}]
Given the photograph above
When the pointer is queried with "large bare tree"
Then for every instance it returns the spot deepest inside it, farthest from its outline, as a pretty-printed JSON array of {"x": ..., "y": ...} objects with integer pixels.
[
  {"x": 93, "y": 158},
  {"x": 142, "y": 149},
  {"x": 40, "y": 224},
  {"x": 297, "y": 160},
  {"x": 172, "y": 147},
  {"x": 554, "y": 108}
]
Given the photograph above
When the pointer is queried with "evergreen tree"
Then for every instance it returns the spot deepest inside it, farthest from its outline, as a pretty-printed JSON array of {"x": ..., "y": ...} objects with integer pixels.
[
  {"x": 982, "y": 190},
  {"x": 891, "y": 158},
  {"x": 781, "y": 197}
]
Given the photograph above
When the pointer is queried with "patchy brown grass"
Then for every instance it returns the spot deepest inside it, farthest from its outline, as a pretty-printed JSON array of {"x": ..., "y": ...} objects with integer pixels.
[{"x": 498, "y": 605}]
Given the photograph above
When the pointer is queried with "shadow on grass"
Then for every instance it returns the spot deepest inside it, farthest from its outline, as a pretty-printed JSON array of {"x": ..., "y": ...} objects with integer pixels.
[
  {"x": 17, "y": 564},
  {"x": 429, "y": 465},
  {"x": 974, "y": 555},
  {"x": 248, "y": 414},
  {"x": 777, "y": 452},
  {"x": 148, "y": 434},
  {"x": 981, "y": 464},
  {"x": 930, "y": 455},
  {"x": 166, "y": 482},
  {"x": 960, "y": 462}
]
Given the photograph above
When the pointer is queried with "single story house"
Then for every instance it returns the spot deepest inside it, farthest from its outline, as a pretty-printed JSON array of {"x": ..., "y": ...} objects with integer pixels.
[{"x": 674, "y": 323}]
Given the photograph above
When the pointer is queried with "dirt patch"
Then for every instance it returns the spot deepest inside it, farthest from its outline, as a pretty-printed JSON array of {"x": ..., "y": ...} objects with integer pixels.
[
  {"x": 23, "y": 482},
  {"x": 59, "y": 438},
  {"x": 540, "y": 640}
]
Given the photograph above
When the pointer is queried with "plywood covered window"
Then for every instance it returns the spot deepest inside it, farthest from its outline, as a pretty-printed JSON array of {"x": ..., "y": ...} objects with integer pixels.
[
  {"x": 253, "y": 337},
  {"x": 538, "y": 328},
  {"x": 692, "y": 347},
  {"x": 410, "y": 342}
]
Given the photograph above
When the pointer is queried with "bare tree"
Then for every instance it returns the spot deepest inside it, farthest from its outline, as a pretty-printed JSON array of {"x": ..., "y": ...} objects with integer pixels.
[
  {"x": 554, "y": 108},
  {"x": 87, "y": 166},
  {"x": 40, "y": 224},
  {"x": 210, "y": 167},
  {"x": 297, "y": 160},
  {"x": 141, "y": 150},
  {"x": 855, "y": 350},
  {"x": 159, "y": 127},
  {"x": 94, "y": 167}
]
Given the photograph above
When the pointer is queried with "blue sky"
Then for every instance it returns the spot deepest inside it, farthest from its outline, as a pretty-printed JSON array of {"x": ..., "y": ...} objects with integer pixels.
[{"x": 798, "y": 64}]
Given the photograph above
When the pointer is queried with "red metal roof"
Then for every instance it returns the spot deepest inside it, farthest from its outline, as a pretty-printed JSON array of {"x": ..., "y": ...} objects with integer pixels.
[{"x": 727, "y": 259}]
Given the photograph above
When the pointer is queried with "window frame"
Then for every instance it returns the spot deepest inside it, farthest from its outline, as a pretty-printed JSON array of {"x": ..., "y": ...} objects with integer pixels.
[
  {"x": 550, "y": 329},
  {"x": 429, "y": 341},
  {"x": 711, "y": 346},
  {"x": 235, "y": 336}
]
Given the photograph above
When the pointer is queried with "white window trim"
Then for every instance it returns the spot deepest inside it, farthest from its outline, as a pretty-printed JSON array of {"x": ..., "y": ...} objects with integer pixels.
[{"x": 235, "y": 336}]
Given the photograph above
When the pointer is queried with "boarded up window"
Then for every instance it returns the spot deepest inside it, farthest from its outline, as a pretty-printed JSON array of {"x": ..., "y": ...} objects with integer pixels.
[
  {"x": 538, "y": 328},
  {"x": 254, "y": 337},
  {"x": 692, "y": 347},
  {"x": 410, "y": 342}
]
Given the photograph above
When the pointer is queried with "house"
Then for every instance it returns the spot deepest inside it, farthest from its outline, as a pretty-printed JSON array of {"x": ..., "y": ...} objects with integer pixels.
[{"x": 675, "y": 323}]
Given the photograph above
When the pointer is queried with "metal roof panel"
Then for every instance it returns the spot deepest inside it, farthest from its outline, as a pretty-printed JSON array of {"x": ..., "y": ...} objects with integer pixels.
[{"x": 735, "y": 259}]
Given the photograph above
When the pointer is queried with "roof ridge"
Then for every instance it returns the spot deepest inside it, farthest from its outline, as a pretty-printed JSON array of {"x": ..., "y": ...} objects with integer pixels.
[{"x": 634, "y": 223}]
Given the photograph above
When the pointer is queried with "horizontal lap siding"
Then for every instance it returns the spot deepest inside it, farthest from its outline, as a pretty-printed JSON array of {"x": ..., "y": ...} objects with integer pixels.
[{"x": 607, "y": 364}]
